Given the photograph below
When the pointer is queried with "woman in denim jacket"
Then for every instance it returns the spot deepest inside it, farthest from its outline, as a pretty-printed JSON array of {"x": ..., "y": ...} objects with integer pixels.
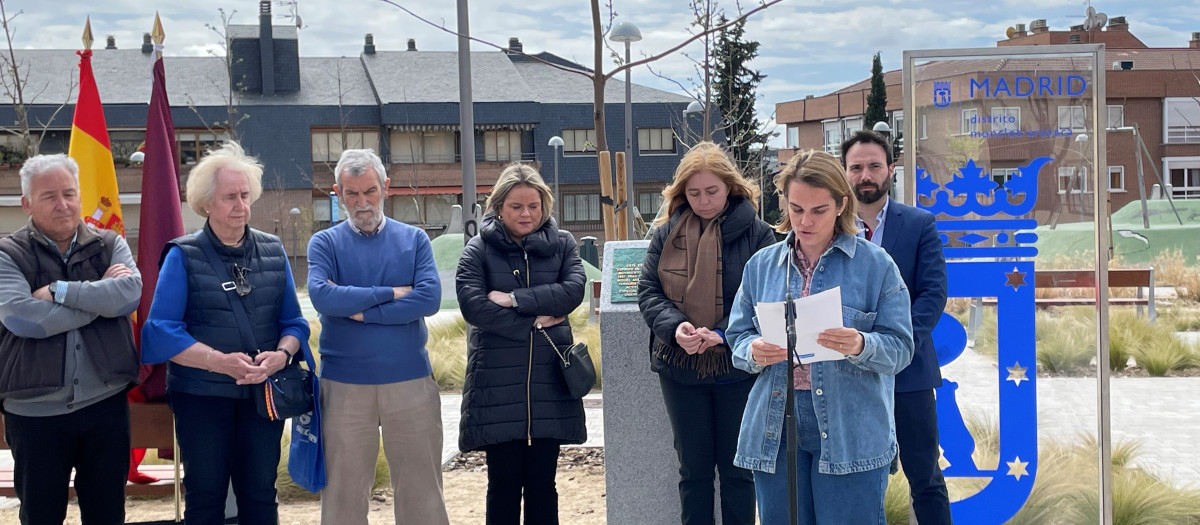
[{"x": 843, "y": 407}]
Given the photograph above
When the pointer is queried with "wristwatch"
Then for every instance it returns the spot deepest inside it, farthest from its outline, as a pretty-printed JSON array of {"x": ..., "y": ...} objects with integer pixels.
[{"x": 513, "y": 296}]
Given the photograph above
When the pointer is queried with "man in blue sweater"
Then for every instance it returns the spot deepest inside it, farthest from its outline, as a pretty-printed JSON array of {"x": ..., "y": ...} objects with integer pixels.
[{"x": 374, "y": 280}]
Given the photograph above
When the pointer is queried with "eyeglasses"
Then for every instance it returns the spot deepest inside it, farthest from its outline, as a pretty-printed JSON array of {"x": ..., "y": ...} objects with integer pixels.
[{"x": 241, "y": 284}]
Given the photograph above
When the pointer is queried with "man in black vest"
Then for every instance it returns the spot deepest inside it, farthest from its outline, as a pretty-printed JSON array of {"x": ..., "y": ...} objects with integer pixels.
[{"x": 67, "y": 356}]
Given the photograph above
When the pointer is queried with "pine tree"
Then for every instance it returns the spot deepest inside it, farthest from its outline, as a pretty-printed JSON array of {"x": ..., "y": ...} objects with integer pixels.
[
  {"x": 734, "y": 92},
  {"x": 877, "y": 100}
]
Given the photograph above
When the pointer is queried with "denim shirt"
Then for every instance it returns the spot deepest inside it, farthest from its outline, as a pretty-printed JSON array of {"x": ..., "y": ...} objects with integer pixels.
[{"x": 852, "y": 397}]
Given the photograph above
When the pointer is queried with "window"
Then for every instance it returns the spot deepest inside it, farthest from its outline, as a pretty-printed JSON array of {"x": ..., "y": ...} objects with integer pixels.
[
  {"x": 579, "y": 142},
  {"x": 648, "y": 204},
  {"x": 1006, "y": 119},
  {"x": 970, "y": 121},
  {"x": 923, "y": 134},
  {"x": 581, "y": 208},
  {"x": 1182, "y": 120},
  {"x": 1073, "y": 179},
  {"x": 1184, "y": 177},
  {"x": 850, "y": 125},
  {"x": 501, "y": 145},
  {"x": 192, "y": 146},
  {"x": 833, "y": 136},
  {"x": 793, "y": 137},
  {"x": 897, "y": 123},
  {"x": 656, "y": 141},
  {"x": 1116, "y": 179},
  {"x": 327, "y": 145},
  {"x": 1072, "y": 117},
  {"x": 1001, "y": 176},
  {"x": 433, "y": 147},
  {"x": 1116, "y": 117}
]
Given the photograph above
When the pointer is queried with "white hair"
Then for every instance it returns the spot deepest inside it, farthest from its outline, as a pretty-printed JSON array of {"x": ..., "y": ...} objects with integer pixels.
[
  {"x": 356, "y": 161},
  {"x": 39, "y": 164}
]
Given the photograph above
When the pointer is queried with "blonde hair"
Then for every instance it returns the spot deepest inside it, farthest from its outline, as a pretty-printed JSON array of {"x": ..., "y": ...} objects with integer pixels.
[
  {"x": 513, "y": 176},
  {"x": 819, "y": 170},
  {"x": 705, "y": 156},
  {"x": 202, "y": 179}
]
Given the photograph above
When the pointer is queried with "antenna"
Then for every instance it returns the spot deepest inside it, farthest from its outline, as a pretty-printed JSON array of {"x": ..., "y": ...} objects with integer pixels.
[
  {"x": 1010, "y": 31},
  {"x": 293, "y": 13}
]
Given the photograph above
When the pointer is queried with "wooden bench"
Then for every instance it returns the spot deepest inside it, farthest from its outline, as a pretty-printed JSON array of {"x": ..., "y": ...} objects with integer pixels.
[
  {"x": 151, "y": 425},
  {"x": 1142, "y": 279}
]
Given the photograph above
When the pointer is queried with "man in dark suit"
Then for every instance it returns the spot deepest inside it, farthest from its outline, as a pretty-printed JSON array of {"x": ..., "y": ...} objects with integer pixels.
[{"x": 910, "y": 236}]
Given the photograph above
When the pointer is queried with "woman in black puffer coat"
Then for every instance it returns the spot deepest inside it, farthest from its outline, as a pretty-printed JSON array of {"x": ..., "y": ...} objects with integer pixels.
[
  {"x": 691, "y": 274},
  {"x": 519, "y": 272}
]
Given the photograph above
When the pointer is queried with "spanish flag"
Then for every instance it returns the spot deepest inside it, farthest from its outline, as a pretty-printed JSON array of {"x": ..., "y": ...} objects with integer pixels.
[{"x": 101, "y": 206}]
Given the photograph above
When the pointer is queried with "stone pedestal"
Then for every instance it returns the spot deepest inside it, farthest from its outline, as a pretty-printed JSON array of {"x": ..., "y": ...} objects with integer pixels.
[{"x": 641, "y": 470}]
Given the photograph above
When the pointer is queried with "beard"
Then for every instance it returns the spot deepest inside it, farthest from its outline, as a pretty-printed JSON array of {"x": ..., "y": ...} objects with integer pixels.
[
  {"x": 869, "y": 193},
  {"x": 367, "y": 224}
]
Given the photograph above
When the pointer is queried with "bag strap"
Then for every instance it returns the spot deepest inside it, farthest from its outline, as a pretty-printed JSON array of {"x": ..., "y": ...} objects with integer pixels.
[
  {"x": 239, "y": 310},
  {"x": 566, "y": 360}
]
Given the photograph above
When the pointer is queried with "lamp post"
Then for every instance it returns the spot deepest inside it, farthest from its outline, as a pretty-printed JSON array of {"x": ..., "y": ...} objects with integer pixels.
[
  {"x": 627, "y": 33},
  {"x": 556, "y": 142},
  {"x": 295, "y": 213},
  {"x": 693, "y": 107}
]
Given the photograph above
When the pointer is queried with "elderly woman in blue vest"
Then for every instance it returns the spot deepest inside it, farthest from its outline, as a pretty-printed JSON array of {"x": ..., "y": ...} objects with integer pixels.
[
  {"x": 846, "y": 435},
  {"x": 211, "y": 373},
  {"x": 692, "y": 270},
  {"x": 519, "y": 274}
]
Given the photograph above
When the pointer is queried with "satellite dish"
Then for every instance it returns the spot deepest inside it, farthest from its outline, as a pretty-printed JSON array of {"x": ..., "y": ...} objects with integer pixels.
[
  {"x": 1094, "y": 20},
  {"x": 1010, "y": 31}
]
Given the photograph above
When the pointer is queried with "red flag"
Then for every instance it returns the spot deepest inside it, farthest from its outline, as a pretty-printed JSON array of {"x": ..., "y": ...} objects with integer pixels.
[{"x": 161, "y": 220}]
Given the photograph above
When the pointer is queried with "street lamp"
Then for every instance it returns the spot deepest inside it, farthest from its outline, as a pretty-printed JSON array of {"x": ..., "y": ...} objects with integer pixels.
[
  {"x": 627, "y": 33},
  {"x": 556, "y": 142},
  {"x": 295, "y": 213},
  {"x": 693, "y": 107}
]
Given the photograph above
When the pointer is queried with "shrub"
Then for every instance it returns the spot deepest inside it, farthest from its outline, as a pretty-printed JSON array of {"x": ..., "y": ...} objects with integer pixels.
[
  {"x": 448, "y": 353},
  {"x": 1171, "y": 268},
  {"x": 1066, "y": 338},
  {"x": 1166, "y": 354}
]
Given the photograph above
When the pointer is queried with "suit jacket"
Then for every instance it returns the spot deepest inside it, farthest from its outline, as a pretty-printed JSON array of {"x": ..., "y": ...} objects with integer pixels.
[{"x": 910, "y": 236}]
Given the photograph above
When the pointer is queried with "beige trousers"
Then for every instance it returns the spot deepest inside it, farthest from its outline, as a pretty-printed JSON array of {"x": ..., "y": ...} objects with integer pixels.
[{"x": 410, "y": 415}]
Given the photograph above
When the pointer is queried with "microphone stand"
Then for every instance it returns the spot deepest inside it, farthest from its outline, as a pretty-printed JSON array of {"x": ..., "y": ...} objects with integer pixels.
[{"x": 789, "y": 411}]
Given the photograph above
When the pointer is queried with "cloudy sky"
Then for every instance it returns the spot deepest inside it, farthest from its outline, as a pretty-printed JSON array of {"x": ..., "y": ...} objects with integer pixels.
[{"x": 808, "y": 46}]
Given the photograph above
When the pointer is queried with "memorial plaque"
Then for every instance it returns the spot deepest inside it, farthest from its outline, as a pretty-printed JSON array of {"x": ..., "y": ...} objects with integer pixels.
[{"x": 626, "y": 271}]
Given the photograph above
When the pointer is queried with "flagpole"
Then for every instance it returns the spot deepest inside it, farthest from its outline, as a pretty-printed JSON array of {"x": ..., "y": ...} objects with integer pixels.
[{"x": 87, "y": 34}]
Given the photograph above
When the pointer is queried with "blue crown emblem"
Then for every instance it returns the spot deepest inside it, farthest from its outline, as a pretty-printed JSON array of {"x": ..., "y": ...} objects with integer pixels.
[
  {"x": 941, "y": 94},
  {"x": 973, "y": 191}
]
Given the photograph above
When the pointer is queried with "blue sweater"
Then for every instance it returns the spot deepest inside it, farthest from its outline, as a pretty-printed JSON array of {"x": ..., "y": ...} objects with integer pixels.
[{"x": 388, "y": 346}]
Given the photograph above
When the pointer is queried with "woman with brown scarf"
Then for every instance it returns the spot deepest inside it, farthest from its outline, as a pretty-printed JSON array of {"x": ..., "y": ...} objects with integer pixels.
[{"x": 692, "y": 271}]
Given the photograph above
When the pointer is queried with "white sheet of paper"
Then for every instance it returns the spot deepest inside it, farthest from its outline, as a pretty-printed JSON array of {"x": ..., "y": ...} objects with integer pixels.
[
  {"x": 814, "y": 314},
  {"x": 771, "y": 323}
]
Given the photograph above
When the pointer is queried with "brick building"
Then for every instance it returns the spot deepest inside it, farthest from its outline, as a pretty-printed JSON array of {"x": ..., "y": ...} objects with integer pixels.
[{"x": 1156, "y": 90}]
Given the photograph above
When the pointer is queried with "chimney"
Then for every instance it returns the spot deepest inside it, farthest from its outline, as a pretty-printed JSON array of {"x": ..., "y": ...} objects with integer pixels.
[
  {"x": 1039, "y": 26},
  {"x": 266, "y": 47},
  {"x": 1077, "y": 29},
  {"x": 1019, "y": 31},
  {"x": 1195, "y": 42},
  {"x": 369, "y": 44},
  {"x": 412, "y": 44},
  {"x": 1118, "y": 23},
  {"x": 514, "y": 44},
  {"x": 112, "y": 42},
  {"x": 147, "y": 44},
  {"x": 1073, "y": 39}
]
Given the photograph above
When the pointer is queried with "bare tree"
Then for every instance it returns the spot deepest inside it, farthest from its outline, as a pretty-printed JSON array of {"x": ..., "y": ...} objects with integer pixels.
[
  {"x": 14, "y": 81},
  {"x": 231, "y": 88},
  {"x": 598, "y": 76}
]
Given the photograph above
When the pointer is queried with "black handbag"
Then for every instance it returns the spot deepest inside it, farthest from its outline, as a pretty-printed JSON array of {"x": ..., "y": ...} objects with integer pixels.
[
  {"x": 288, "y": 392},
  {"x": 577, "y": 368}
]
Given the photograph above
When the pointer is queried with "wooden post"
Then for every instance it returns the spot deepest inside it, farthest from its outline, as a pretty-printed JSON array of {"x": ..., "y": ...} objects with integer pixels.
[
  {"x": 623, "y": 215},
  {"x": 606, "y": 193}
]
